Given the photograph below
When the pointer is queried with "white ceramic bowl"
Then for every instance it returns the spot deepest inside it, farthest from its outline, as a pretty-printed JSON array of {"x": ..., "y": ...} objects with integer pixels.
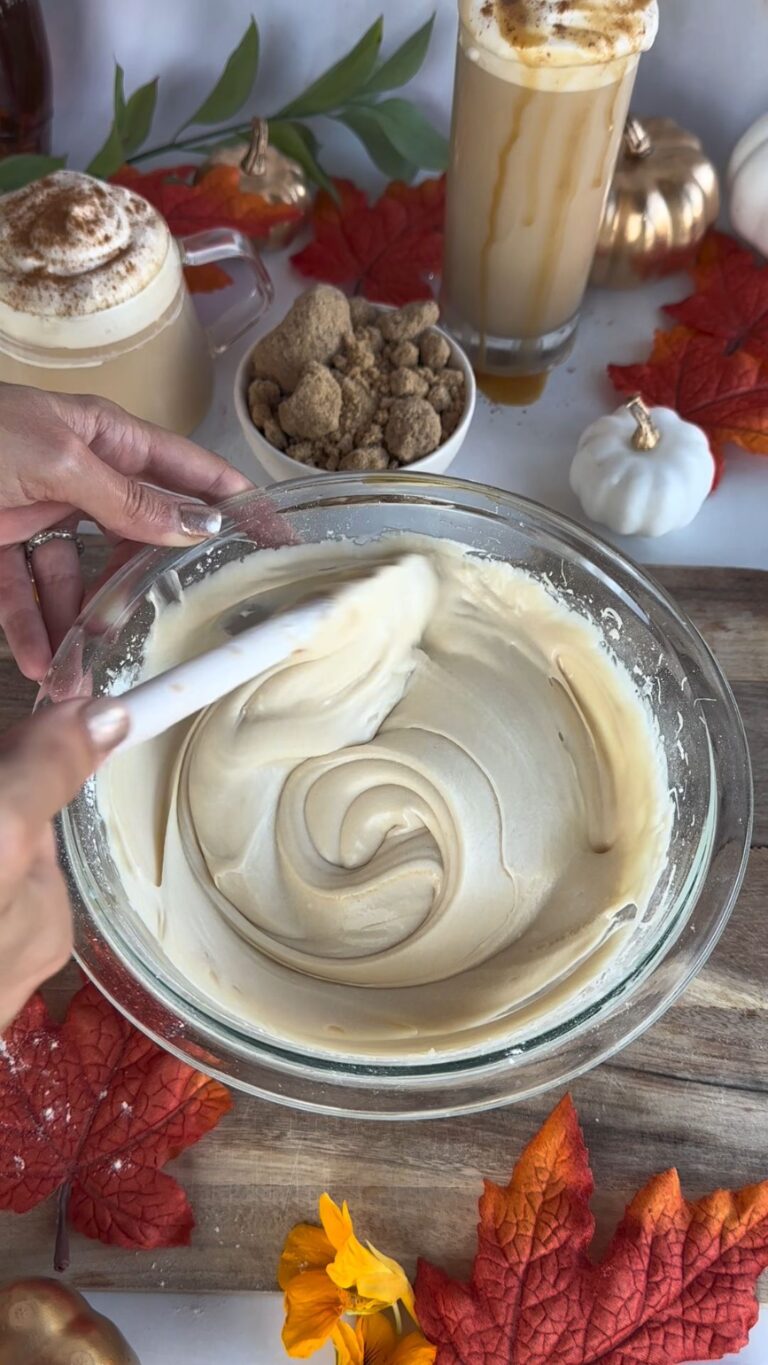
[{"x": 279, "y": 466}]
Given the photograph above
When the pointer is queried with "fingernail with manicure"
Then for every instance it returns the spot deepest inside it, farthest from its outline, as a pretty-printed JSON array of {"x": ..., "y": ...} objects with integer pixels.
[
  {"x": 107, "y": 723},
  {"x": 199, "y": 521}
]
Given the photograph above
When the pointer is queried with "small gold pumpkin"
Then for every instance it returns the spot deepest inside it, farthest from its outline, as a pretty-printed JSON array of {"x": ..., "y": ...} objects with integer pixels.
[
  {"x": 43, "y": 1322},
  {"x": 265, "y": 171},
  {"x": 664, "y": 196}
]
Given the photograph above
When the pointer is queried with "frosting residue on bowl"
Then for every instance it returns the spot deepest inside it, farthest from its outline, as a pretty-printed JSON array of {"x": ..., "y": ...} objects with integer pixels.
[{"x": 443, "y": 813}]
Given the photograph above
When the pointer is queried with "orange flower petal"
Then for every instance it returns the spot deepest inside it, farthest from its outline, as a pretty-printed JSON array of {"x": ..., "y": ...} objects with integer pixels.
[
  {"x": 406, "y": 1295},
  {"x": 379, "y": 1339},
  {"x": 375, "y": 1278},
  {"x": 306, "y": 1248},
  {"x": 313, "y": 1306},
  {"x": 336, "y": 1222},
  {"x": 414, "y": 1349},
  {"x": 349, "y": 1344}
]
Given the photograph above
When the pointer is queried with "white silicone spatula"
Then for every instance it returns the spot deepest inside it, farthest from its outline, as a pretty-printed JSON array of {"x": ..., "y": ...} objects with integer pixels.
[{"x": 157, "y": 704}]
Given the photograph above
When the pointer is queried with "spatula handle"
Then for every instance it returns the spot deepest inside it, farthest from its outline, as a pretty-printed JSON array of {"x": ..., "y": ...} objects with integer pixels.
[{"x": 157, "y": 704}]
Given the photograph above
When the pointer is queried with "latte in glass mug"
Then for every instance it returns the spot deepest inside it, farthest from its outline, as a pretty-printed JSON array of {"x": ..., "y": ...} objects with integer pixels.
[{"x": 93, "y": 299}]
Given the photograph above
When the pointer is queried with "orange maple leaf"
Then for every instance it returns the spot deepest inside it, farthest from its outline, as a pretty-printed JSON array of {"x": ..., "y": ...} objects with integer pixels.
[
  {"x": 206, "y": 279},
  {"x": 677, "y": 1283},
  {"x": 724, "y": 394},
  {"x": 191, "y": 202}
]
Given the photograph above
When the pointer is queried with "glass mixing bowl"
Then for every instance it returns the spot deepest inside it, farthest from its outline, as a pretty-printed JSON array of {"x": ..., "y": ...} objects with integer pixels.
[{"x": 709, "y": 774}]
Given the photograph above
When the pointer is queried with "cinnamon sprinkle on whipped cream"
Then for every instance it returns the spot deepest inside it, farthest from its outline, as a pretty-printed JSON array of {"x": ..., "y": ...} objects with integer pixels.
[{"x": 71, "y": 246}]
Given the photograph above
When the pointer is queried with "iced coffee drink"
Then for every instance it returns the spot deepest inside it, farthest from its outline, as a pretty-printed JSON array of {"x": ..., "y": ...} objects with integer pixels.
[
  {"x": 542, "y": 91},
  {"x": 93, "y": 299}
]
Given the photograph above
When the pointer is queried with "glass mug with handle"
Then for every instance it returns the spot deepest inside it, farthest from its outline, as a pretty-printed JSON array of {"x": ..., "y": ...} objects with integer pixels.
[{"x": 93, "y": 299}]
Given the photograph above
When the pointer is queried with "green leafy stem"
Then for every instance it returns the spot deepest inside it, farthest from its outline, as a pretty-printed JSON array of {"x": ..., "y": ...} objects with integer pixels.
[{"x": 355, "y": 91}]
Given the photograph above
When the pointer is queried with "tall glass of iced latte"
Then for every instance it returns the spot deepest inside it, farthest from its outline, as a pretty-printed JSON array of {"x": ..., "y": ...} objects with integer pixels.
[{"x": 542, "y": 91}]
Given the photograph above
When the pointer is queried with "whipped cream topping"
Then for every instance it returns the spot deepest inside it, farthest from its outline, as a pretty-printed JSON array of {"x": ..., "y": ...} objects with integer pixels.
[
  {"x": 72, "y": 246},
  {"x": 444, "y": 814},
  {"x": 561, "y": 32}
]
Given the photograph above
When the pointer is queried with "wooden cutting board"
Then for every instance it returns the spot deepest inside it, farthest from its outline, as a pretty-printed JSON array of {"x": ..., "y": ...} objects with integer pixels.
[{"x": 692, "y": 1092}]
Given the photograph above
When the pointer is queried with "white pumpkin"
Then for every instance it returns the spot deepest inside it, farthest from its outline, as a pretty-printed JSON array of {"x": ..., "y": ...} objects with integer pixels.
[
  {"x": 642, "y": 472},
  {"x": 748, "y": 181}
]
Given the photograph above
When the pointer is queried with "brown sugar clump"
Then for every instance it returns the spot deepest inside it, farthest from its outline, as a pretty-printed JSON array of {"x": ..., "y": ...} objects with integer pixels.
[
  {"x": 263, "y": 397},
  {"x": 358, "y": 405},
  {"x": 405, "y": 353},
  {"x": 371, "y": 336},
  {"x": 275, "y": 434},
  {"x": 314, "y": 407},
  {"x": 344, "y": 385},
  {"x": 311, "y": 330},
  {"x": 435, "y": 351},
  {"x": 440, "y": 397},
  {"x": 365, "y": 458},
  {"x": 361, "y": 312},
  {"x": 403, "y": 324},
  {"x": 413, "y": 429},
  {"x": 405, "y": 383},
  {"x": 303, "y": 451}
]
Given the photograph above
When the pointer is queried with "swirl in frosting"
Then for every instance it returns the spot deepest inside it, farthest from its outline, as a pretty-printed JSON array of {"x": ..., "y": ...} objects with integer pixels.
[{"x": 442, "y": 812}]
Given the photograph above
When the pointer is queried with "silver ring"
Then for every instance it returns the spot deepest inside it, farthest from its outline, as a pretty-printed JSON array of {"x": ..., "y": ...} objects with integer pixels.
[{"x": 43, "y": 537}]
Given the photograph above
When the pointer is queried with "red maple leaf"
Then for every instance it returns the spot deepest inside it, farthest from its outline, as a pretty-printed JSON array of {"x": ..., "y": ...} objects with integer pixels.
[
  {"x": 677, "y": 1283},
  {"x": 731, "y": 301},
  {"x": 713, "y": 250},
  {"x": 724, "y": 394},
  {"x": 388, "y": 252},
  {"x": 92, "y": 1109},
  {"x": 192, "y": 202},
  {"x": 424, "y": 203}
]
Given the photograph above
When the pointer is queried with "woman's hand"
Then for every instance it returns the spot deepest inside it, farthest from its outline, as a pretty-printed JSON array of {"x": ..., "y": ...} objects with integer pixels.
[
  {"x": 43, "y": 763},
  {"x": 64, "y": 457}
]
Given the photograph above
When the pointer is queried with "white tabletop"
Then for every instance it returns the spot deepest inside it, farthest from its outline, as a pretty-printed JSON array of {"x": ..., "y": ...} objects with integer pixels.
[
  {"x": 529, "y": 450},
  {"x": 243, "y": 1329}
]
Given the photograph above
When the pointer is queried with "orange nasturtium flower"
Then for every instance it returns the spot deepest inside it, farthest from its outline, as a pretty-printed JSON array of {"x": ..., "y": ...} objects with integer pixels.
[
  {"x": 374, "y": 1341},
  {"x": 325, "y": 1273}
]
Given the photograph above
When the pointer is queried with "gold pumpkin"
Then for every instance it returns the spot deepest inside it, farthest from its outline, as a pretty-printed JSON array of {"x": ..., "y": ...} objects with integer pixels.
[
  {"x": 664, "y": 196},
  {"x": 43, "y": 1322},
  {"x": 265, "y": 171}
]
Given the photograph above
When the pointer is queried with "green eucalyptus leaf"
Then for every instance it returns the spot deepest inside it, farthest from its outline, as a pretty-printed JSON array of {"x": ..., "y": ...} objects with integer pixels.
[
  {"x": 411, "y": 134},
  {"x": 234, "y": 84},
  {"x": 119, "y": 96},
  {"x": 109, "y": 158},
  {"x": 16, "y": 171},
  {"x": 365, "y": 124},
  {"x": 403, "y": 65},
  {"x": 137, "y": 116},
  {"x": 294, "y": 139},
  {"x": 342, "y": 81}
]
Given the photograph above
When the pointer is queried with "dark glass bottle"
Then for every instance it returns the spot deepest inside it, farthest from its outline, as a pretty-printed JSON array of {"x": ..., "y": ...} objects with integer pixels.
[{"x": 25, "y": 79}]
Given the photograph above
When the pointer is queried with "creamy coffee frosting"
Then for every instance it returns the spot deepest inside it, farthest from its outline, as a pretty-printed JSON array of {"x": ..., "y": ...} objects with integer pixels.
[
  {"x": 444, "y": 812},
  {"x": 71, "y": 245},
  {"x": 555, "y": 32}
]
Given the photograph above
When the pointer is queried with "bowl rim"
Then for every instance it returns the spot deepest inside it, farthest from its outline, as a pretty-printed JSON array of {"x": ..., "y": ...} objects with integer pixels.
[
  {"x": 359, "y": 1089},
  {"x": 458, "y": 435}
]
